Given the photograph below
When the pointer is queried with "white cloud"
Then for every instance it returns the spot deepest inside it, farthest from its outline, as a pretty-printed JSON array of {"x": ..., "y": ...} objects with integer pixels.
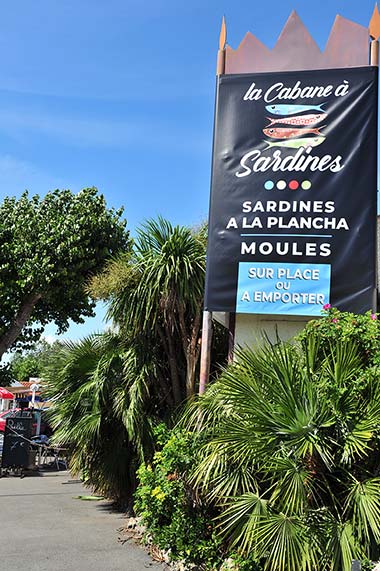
[{"x": 17, "y": 175}]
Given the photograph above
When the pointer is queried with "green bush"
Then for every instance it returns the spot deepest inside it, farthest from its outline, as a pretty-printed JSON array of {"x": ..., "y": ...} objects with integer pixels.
[
  {"x": 291, "y": 451},
  {"x": 175, "y": 517},
  {"x": 282, "y": 470}
]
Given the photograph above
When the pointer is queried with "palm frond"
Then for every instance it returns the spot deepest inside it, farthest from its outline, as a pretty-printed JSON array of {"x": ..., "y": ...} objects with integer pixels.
[
  {"x": 363, "y": 502},
  {"x": 240, "y": 520}
]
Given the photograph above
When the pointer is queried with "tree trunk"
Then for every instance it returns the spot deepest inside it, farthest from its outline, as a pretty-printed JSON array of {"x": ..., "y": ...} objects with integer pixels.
[
  {"x": 167, "y": 342},
  {"x": 166, "y": 389},
  {"x": 192, "y": 355},
  {"x": 190, "y": 347},
  {"x": 24, "y": 313},
  {"x": 191, "y": 362}
]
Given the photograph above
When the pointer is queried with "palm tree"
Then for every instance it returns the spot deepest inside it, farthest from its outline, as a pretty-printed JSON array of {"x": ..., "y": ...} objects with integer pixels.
[
  {"x": 156, "y": 291},
  {"x": 291, "y": 455},
  {"x": 103, "y": 393}
]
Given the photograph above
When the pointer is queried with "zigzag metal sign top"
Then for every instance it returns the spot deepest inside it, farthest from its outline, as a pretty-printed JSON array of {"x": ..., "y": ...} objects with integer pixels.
[{"x": 296, "y": 49}]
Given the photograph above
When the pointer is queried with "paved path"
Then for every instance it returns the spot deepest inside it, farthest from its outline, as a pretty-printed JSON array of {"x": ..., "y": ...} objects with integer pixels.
[{"x": 43, "y": 528}]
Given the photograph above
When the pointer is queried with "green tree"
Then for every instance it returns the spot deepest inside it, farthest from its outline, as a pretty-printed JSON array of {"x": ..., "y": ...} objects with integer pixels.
[
  {"x": 291, "y": 455},
  {"x": 7, "y": 377},
  {"x": 103, "y": 403},
  {"x": 25, "y": 366},
  {"x": 156, "y": 291},
  {"x": 32, "y": 362},
  {"x": 110, "y": 389},
  {"x": 49, "y": 248}
]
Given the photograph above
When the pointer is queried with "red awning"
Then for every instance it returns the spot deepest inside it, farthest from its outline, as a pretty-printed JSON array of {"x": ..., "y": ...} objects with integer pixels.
[{"x": 4, "y": 394}]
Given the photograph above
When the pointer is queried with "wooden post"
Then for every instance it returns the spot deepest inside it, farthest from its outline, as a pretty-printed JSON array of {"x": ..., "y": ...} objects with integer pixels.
[
  {"x": 205, "y": 351},
  {"x": 374, "y": 53},
  {"x": 231, "y": 336},
  {"x": 207, "y": 315}
]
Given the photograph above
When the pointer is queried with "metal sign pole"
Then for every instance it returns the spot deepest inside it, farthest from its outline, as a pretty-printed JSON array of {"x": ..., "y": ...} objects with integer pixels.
[
  {"x": 207, "y": 315},
  {"x": 374, "y": 32}
]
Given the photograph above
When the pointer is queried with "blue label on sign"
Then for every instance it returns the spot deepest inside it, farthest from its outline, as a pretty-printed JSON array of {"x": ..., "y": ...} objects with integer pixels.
[{"x": 283, "y": 289}]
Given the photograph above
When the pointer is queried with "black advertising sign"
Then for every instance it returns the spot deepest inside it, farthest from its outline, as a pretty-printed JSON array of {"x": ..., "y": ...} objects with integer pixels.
[
  {"x": 293, "y": 196},
  {"x": 17, "y": 434}
]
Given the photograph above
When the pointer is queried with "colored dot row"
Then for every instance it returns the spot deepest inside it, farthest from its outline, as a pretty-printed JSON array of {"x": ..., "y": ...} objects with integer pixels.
[{"x": 282, "y": 184}]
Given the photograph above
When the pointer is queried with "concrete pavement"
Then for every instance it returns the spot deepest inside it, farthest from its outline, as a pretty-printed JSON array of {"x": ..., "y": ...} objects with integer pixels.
[{"x": 43, "y": 528}]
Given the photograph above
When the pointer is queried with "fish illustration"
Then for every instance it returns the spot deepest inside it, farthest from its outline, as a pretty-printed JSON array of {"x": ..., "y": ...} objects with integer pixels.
[
  {"x": 289, "y": 133},
  {"x": 297, "y": 143},
  {"x": 298, "y": 120},
  {"x": 292, "y": 109}
]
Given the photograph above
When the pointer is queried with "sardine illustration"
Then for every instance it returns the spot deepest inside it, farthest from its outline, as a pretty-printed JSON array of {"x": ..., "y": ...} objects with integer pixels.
[
  {"x": 289, "y": 133},
  {"x": 292, "y": 109},
  {"x": 311, "y": 119},
  {"x": 297, "y": 143}
]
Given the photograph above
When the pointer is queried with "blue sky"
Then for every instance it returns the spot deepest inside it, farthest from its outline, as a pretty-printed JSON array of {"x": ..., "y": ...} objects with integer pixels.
[{"x": 120, "y": 95}]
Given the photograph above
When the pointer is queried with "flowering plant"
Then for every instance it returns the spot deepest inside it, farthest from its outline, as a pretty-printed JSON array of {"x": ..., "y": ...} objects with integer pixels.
[
  {"x": 335, "y": 325},
  {"x": 174, "y": 517}
]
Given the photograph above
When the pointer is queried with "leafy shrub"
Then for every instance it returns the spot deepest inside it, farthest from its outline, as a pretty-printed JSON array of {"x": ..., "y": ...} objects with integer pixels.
[
  {"x": 284, "y": 457},
  {"x": 236, "y": 562},
  {"x": 101, "y": 411},
  {"x": 175, "y": 517},
  {"x": 291, "y": 451}
]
